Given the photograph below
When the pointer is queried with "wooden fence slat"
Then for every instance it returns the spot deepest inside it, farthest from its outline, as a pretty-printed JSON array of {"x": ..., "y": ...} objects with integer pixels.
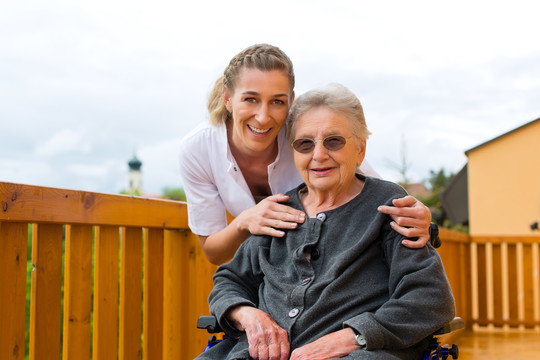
[
  {"x": 474, "y": 284},
  {"x": 490, "y": 310},
  {"x": 513, "y": 317},
  {"x": 536, "y": 284},
  {"x": 105, "y": 341},
  {"x": 13, "y": 250},
  {"x": 77, "y": 292},
  {"x": 482, "y": 285},
  {"x": 505, "y": 284},
  {"x": 465, "y": 282},
  {"x": 131, "y": 294},
  {"x": 45, "y": 302},
  {"x": 204, "y": 272},
  {"x": 528, "y": 288},
  {"x": 153, "y": 295},
  {"x": 497, "y": 289},
  {"x": 193, "y": 296},
  {"x": 175, "y": 296},
  {"x": 521, "y": 287}
]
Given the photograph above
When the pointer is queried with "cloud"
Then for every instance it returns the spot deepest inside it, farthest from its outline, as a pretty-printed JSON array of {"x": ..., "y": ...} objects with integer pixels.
[
  {"x": 90, "y": 171},
  {"x": 63, "y": 141}
]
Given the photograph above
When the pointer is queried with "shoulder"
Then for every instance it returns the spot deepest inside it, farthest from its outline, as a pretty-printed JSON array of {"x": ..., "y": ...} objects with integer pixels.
[
  {"x": 203, "y": 134},
  {"x": 200, "y": 150},
  {"x": 205, "y": 141}
]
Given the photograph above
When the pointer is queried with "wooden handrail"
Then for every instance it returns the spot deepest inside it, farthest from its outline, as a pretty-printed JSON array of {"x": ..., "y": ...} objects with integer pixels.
[{"x": 25, "y": 203}]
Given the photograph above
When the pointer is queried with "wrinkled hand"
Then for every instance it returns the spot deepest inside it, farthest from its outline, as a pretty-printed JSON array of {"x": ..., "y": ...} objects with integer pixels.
[
  {"x": 267, "y": 340},
  {"x": 331, "y": 346},
  {"x": 268, "y": 216},
  {"x": 411, "y": 219}
]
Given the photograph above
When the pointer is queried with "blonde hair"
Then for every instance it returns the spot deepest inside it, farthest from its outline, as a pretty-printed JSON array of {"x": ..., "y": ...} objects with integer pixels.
[
  {"x": 263, "y": 57},
  {"x": 336, "y": 98}
]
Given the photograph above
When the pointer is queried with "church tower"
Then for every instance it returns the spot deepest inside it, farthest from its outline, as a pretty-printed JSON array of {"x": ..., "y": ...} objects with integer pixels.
[{"x": 134, "y": 176}]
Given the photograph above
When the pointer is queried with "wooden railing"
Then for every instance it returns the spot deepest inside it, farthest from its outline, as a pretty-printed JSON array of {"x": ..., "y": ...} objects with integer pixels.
[
  {"x": 505, "y": 283},
  {"x": 495, "y": 280},
  {"x": 134, "y": 279}
]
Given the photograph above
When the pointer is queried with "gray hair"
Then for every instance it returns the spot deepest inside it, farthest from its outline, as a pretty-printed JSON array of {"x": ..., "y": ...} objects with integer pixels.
[{"x": 334, "y": 97}]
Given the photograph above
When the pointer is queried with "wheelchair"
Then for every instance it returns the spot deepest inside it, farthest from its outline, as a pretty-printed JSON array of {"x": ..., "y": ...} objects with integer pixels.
[{"x": 436, "y": 351}]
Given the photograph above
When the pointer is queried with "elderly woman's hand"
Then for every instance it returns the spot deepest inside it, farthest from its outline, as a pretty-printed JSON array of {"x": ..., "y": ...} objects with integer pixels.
[
  {"x": 267, "y": 340},
  {"x": 331, "y": 346},
  {"x": 411, "y": 219},
  {"x": 268, "y": 216}
]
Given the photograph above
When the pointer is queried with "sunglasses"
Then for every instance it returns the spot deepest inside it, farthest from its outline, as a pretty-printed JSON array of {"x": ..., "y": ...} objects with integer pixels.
[{"x": 331, "y": 143}]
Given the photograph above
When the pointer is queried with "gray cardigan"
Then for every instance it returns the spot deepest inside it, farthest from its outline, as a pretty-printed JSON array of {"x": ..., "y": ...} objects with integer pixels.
[{"x": 359, "y": 276}]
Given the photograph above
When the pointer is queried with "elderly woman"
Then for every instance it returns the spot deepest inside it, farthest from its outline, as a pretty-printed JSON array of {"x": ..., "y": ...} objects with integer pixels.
[{"x": 341, "y": 285}]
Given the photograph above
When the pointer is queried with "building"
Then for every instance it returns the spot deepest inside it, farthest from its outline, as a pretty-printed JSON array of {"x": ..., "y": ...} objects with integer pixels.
[
  {"x": 134, "y": 176},
  {"x": 501, "y": 184}
]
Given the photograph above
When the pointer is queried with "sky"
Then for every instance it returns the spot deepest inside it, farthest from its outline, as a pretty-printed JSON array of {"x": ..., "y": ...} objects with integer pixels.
[{"x": 86, "y": 85}]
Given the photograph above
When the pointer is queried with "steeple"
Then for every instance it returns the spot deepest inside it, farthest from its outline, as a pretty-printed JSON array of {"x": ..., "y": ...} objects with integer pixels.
[
  {"x": 135, "y": 164},
  {"x": 134, "y": 176}
]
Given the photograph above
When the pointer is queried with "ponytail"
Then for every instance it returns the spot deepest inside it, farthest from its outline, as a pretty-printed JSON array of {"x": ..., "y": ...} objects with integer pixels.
[{"x": 216, "y": 107}]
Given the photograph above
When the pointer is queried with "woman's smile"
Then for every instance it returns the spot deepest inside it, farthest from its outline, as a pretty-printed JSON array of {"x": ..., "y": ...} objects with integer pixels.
[
  {"x": 258, "y": 131},
  {"x": 322, "y": 171}
]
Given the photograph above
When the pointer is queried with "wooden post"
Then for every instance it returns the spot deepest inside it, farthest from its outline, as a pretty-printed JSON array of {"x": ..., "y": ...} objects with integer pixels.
[
  {"x": 105, "y": 342},
  {"x": 13, "y": 250},
  {"x": 175, "y": 296},
  {"x": 45, "y": 301},
  {"x": 130, "y": 293},
  {"x": 77, "y": 292},
  {"x": 153, "y": 295}
]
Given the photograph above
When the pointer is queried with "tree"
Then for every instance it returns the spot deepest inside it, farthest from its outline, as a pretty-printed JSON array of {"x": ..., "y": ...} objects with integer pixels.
[
  {"x": 174, "y": 194},
  {"x": 403, "y": 166},
  {"x": 437, "y": 181}
]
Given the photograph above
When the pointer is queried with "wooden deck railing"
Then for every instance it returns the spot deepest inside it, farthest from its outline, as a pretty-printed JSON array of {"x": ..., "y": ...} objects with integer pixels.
[
  {"x": 495, "y": 280},
  {"x": 134, "y": 279},
  {"x": 505, "y": 282}
]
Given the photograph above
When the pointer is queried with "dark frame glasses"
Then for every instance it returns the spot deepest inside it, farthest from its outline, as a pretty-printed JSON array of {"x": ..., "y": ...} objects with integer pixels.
[{"x": 331, "y": 143}]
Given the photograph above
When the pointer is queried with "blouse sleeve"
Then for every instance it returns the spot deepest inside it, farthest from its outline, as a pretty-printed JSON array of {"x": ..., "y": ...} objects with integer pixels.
[{"x": 206, "y": 211}]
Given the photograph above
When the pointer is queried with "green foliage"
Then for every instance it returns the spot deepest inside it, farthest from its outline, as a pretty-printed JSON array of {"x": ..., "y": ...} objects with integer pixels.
[
  {"x": 437, "y": 181},
  {"x": 174, "y": 194},
  {"x": 135, "y": 192}
]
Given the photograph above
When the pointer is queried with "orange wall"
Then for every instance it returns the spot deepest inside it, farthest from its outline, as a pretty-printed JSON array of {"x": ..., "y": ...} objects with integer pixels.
[{"x": 504, "y": 184}]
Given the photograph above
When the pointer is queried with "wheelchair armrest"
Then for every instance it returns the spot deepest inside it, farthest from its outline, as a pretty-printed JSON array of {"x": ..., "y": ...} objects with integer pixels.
[
  {"x": 456, "y": 324},
  {"x": 210, "y": 323}
]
